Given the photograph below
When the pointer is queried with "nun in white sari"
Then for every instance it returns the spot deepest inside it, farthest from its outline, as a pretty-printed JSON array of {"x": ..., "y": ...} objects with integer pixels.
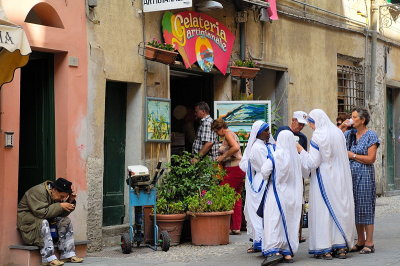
[
  {"x": 283, "y": 200},
  {"x": 331, "y": 204},
  {"x": 253, "y": 158}
]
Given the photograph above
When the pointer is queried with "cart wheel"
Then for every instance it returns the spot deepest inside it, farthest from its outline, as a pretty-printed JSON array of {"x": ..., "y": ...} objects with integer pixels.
[
  {"x": 126, "y": 244},
  {"x": 165, "y": 241}
]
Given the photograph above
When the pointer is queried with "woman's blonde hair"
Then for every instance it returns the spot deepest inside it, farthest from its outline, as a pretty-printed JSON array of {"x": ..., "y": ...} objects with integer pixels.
[{"x": 218, "y": 124}]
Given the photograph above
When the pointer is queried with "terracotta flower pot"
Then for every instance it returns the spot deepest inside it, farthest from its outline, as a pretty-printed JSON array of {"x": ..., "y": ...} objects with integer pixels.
[
  {"x": 172, "y": 223},
  {"x": 244, "y": 72},
  {"x": 160, "y": 55},
  {"x": 210, "y": 228}
]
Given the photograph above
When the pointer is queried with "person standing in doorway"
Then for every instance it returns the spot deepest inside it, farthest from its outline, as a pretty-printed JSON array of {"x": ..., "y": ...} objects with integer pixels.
[
  {"x": 229, "y": 158},
  {"x": 297, "y": 124},
  {"x": 205, "y": 142}
]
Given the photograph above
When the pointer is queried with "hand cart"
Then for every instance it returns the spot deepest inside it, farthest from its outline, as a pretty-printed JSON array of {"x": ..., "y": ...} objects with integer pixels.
[{"x": 142, "y": 192}]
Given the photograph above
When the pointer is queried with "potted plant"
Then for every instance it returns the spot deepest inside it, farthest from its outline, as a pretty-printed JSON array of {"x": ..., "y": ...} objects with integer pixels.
[
  {"x": 183, "y": 179},
  {"x": 160, "y": 52},
  {"x": 244, "y": 69},
  {"x": 170, "y": 217},
  {"x": 210, "y": 214}
]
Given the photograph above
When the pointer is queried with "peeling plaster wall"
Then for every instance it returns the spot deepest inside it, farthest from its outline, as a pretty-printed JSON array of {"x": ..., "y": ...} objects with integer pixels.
[
  {"x": 114, "y": 31},
  {"x": 377, "y": 110}
]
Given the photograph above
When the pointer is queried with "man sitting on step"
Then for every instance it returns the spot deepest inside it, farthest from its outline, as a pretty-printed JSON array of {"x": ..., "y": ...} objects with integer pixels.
[{"x": 42, "y": 214}]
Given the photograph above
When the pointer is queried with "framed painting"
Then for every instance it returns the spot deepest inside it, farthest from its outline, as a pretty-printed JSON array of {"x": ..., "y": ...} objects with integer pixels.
[
  {"x": 240, "y": 115},
  {"x": 158, "y": 120}
]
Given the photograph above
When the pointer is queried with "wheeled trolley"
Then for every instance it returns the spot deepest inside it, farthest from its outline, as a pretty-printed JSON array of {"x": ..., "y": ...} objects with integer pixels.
[{"x": 142, "y": 192}]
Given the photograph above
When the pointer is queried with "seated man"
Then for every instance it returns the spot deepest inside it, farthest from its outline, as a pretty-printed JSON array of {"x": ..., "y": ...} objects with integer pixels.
[{"x": 42, "y": 205}]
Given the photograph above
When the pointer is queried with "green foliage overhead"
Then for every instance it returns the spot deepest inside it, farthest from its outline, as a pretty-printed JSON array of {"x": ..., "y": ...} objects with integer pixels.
[
  {"x": 245, "y": 63},
  {"x": 157, "y": 44}
]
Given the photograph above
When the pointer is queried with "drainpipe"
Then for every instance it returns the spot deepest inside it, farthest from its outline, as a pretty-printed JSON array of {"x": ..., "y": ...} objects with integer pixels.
[
  {"x": 374, "y": 40},
  {"x": 242, "y": 42}
]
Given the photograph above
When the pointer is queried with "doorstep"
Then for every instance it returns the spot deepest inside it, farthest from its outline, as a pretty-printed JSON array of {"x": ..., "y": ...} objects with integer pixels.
[{"x": 25, "y": 255}]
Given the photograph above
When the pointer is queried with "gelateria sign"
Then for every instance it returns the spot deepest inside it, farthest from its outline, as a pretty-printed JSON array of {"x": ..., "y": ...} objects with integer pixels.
[{"x": 199, "y": 37}]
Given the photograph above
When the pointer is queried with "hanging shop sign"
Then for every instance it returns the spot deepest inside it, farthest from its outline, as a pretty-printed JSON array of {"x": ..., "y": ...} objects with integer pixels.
[
  {"x": 199, "y": 37},
  {"x": 159, "y": 5}
]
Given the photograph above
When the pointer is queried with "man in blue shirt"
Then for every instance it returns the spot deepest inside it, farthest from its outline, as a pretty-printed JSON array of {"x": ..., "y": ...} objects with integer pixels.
[{"x": 298, "y": 123}]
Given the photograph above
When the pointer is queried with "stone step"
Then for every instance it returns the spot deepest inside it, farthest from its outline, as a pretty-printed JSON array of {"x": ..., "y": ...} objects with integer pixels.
[
  {"x": 112, "y": 234},
  {"x": 24, "y": 255}
]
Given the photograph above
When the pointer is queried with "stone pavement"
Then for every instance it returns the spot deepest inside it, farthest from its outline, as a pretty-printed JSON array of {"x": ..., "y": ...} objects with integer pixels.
[{"x": 387, "y": 244}]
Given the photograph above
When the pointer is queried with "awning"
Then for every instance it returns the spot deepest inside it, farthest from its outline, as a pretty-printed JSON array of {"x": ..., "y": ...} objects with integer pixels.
[{"x": 14, "y": 50}]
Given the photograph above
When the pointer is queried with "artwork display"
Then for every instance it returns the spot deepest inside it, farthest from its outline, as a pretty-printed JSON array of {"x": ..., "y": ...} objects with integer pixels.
[
  {"x": 158, "y": 120},
  {"x": 240, "y": 115}
]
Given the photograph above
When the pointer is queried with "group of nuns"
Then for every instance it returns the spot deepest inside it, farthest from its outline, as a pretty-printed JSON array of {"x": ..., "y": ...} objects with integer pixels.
[{"x": 274, "y": 191}]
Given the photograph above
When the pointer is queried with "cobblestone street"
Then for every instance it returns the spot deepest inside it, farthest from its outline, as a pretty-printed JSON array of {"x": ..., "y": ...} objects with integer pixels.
[{"x": 387, "y": 243}]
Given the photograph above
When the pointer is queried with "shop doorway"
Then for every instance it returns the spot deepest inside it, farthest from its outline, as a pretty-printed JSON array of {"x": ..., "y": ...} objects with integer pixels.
[
  {"x": 37, "y": 137},
  {"x": 392, "y": 136},
  {"x": 114, "y": 153},
  {"x": 187, "y": 88}
]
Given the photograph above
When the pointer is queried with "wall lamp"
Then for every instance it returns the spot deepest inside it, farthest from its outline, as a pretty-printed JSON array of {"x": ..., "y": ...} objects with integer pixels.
[{"x": 8, "y": 139}]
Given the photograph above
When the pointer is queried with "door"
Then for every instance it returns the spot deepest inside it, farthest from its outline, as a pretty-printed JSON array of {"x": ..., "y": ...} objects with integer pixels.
[
  {"x": 392, "y": 134},
  {"x": 36, "y": 143},
  {"x": 114, "y": 153}
]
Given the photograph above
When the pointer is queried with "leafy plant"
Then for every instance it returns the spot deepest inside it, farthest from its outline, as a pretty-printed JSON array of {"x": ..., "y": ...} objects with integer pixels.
[
  {"x": 157, "y": 44},
  {"x": 276, "y": 118},
  {"x": 218, "y": 198},
  {"x": 166, "y": 207},
  {"x": 185, "y": 179},
  {"x": 246, "y": 63}
]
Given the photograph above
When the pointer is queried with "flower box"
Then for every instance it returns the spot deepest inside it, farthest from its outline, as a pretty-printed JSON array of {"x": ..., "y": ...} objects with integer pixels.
[
  {"x": 160, "y": 55},
  {"x": 244, "y": 72}
]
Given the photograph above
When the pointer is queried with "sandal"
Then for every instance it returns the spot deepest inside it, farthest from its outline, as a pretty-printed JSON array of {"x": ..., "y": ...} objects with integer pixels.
[
  {"x": 327, "y": 256},
  {"x": 356, "y": 248},
  {"x": 341, "y": 253},
  {"x": 367, "y": 249},
  {"x": 288, "y": 260},
  {"x": 53, "y": 263},
  {"x": 235, "y": 232},
  {"x": 73, "y": 259},
  {"x": 272, "y": 260},
  {"x": 252, "y": 250}
]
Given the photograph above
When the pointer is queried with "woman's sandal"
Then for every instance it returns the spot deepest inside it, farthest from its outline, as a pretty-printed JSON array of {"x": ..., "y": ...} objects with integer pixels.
[
  {"x": 252, "y": 250},
  {"x": 327, "y": 256},
  {"x": 272, "y": 260},
  {"x": 367, "y": 249},
  {"x": 356, "y": 248},
  {"x": 288, "y": 260},
  {"x": 235, "y": 232},
  {"x": 341, "y": 253}
]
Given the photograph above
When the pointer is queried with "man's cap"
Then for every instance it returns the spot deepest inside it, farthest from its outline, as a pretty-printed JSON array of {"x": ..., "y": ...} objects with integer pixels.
[
  {"x": 300, "y": 116},
  {"x": 62, "y": 185}
]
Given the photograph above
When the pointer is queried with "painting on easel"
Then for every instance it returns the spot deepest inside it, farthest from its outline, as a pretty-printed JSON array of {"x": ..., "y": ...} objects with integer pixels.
[{"x": 158, "y": 120}]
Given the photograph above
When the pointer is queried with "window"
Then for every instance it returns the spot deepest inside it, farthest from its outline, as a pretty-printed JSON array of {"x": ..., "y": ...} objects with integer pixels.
[{"x": 351, "y": 90}]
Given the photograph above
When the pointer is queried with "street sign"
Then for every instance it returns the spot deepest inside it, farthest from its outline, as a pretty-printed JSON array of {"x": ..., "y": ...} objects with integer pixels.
[{"x": 159, "y": 5}]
